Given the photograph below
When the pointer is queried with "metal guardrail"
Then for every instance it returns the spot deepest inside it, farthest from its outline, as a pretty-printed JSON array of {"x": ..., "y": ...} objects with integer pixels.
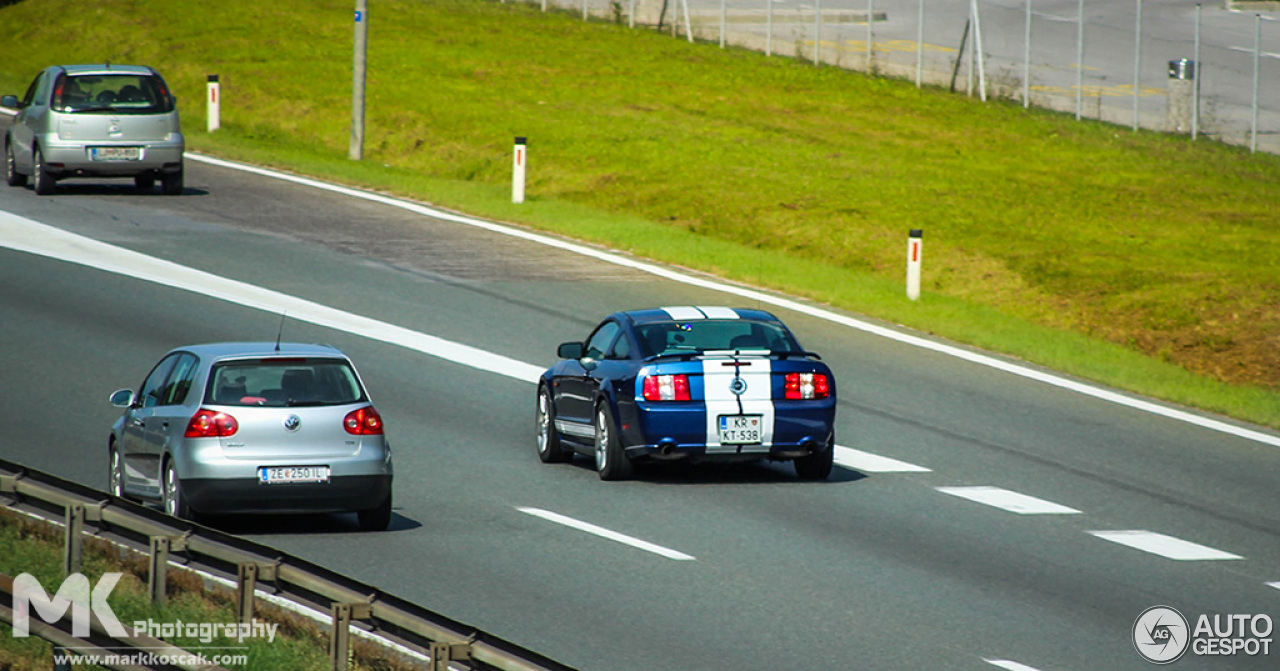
[{"x": 253, "y": 566}]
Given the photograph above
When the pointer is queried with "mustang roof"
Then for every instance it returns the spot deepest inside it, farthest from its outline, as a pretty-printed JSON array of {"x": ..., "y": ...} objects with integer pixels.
[{"x": 694, "y": 313}]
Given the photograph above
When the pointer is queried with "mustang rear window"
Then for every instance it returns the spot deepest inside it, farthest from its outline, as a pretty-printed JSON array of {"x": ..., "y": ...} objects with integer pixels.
[
  {"x": 713, "y": 334},
  {"x": 111, "y": 93},
  {"x": 291, "y": 382}
]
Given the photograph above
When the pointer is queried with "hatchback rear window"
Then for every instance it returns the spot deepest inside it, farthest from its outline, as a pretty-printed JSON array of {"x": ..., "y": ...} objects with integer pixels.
[
  {"x": 292, "y": 382},
  {"x": 111, "y": 93}
]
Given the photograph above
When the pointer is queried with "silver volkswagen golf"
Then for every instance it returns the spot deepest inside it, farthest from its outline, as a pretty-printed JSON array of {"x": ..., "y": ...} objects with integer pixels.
[
  {"x": 256, "y": 427},
  {"x": 95, "y": 121}
]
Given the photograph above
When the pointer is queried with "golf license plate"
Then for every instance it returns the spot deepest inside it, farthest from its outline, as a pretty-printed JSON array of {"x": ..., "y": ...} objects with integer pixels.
[
  {"x": 115, "y": 153},
  {"x": 275, "y": 475},
  {"x": 740, "y": 429}
]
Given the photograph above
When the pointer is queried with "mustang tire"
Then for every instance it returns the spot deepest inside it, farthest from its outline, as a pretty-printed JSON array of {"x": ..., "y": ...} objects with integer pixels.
[
  {"x": 817, "y": 466},
  {"x": 611, "y": 460},
  {"x": 550, "y": 450}
]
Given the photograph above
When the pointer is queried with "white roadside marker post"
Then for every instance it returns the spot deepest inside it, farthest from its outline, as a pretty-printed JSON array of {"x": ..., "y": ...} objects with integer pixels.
[
  {"x": 914, "y": 244},
  {"x": 517, "y": 171},
  {"x": 215, "y": 101}
]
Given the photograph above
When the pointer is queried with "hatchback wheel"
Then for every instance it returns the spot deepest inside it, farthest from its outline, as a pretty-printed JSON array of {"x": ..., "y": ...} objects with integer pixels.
[
  {"x": 11, "y": 174},
  {"x": 376, "y": 519},
  {"x": 611, "y": 460},
  {"x": 550, "y": 450},
  {"x": 145, "y": 181},
  {"x": 44, "y": 180},
  {"x": 171, "y": 183},
  {"x": 174, "y": 502},
  {"x": 115, "y": 477}
]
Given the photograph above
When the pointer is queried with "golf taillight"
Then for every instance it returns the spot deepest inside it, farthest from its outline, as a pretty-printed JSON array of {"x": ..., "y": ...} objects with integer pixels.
[
  {"x": 666, "y": 388},
  {"x": 363, "y": 422},
  {"x": 804, "y": 386},
  {"x": 211, "y": 424}
]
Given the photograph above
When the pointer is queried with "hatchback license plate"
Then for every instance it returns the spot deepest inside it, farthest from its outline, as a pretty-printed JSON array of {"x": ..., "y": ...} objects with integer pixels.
[
  {"x": 115, "y": 153},
  {"x": 285, "y": 474},
  {"x": 739, "y": 429}
]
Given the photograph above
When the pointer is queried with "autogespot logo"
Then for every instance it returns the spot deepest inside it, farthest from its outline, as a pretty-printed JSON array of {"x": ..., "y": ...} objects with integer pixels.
[{"x": 1161, "y": 635}]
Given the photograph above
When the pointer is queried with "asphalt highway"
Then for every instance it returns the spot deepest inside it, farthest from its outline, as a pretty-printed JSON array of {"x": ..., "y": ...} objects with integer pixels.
[{"x": 976, "y": 519}]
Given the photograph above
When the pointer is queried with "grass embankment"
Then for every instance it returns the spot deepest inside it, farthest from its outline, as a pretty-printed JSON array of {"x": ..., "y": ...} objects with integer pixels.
[
  {"x": 1140, "y": 260},
  {"x": 35, "y": 547}
]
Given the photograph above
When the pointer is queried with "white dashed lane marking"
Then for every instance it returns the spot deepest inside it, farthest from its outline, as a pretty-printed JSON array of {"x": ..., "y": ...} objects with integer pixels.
[
  {"x": 1010, "y": 501},
  {"x": 1010, "y": 665},
  {"x": 1165, "y": 546},
  {"x": 606, "y": 533},
  {"x": 867, "y": 462}
]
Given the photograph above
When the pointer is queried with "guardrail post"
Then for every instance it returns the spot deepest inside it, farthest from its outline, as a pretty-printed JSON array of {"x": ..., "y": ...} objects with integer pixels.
[
  {"x": 158, "y": 579},
  {"x": 444, "y": 653},
  {"x": 73, "y": 553},
  {"x": 246, "y": 583},
  {"x": 340, "y": 636}
]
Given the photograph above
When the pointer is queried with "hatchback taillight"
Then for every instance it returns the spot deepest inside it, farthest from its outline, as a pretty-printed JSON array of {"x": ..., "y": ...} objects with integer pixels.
[
  {"x": 211, "y": 424},
  {"x": 804, "y": 386},
  {"x": 666, "y": 388},
  {"x": 363, "y": 422}
]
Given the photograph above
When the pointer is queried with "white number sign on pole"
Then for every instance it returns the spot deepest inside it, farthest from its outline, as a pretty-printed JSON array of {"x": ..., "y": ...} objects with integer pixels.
[
  {"x": 914, "y": 251},
  {"x": 517, "y": 170},
  {"x": 215, "y": 103}
]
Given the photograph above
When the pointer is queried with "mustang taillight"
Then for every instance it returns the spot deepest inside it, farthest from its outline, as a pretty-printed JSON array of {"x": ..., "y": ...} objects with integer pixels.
[
  {"x": 211, "y": 424},
  {"x": 363, "y": 422},
  {"x": 666, "y": 388},
  {"x": 804, "y": 386}
]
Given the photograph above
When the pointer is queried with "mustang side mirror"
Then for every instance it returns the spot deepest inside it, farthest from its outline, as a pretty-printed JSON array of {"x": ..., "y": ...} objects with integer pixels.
[{"x": 569, "y": 350}]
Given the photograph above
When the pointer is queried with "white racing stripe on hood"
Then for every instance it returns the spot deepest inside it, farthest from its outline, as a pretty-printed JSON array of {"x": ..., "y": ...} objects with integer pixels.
[{"x": 757, "y": 398}]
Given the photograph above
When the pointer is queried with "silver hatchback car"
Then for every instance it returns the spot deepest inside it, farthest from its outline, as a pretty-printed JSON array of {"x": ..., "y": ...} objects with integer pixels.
[
  {"x": 95, "y": 121},
  {"x": 252, "y": 428}
]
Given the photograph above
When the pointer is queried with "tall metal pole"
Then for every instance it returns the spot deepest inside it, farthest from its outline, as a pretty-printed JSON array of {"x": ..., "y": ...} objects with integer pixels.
[
  {"x": 768, "y": 30},
  {"x": 1026, "y": 61},
  {"x": 1195, "y": 86},
  {"x": 920, "y": 44},
  {"x": 1137, "y": 62},
  {"x": 817, "y": 30},
  {"x": 724, "y": 18},
  {"x": 977, "y": 48},
  {"x": 1079, "y": 59},
  {"x": 871, "y": 33},
  {"x": 1257, "y": 51},
  {"x": 356, "y": 151}
]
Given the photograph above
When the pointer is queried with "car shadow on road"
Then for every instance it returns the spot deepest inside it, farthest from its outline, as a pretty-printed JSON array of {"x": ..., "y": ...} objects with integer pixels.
[
  {"x": 65, "y": 189},
  {"x": 748, "y": 473},
  {"x": 301, "y": 525}
]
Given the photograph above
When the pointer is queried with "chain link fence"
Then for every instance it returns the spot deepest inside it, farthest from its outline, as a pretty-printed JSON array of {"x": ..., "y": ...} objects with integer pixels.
[{"x": 1168, "y": 65}]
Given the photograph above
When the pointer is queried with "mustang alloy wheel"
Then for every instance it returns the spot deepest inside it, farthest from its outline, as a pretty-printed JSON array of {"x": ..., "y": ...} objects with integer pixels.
[
  {"x": 550, "y": 450},
  {"x": 611, "y": 460}
]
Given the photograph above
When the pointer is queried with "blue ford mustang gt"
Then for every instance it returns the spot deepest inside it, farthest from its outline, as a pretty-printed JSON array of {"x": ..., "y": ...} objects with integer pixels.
[{"x": 697, "y": 383}]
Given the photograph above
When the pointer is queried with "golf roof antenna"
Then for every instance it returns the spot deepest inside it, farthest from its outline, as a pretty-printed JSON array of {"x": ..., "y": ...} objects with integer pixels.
[{"x": 280, "y": 331}]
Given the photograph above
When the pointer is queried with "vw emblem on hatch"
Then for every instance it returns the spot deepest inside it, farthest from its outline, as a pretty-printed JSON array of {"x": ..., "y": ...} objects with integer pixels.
[
  {"x": 738, "y": 386},
  {"x": 292, "y": 422}
]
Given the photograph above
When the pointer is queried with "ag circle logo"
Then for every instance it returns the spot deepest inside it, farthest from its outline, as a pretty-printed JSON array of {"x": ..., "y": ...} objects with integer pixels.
[{"x": 1161, "y": 634}]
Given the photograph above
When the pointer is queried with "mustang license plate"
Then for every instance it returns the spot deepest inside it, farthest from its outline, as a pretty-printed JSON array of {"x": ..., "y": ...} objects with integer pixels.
[
  {"x": 284, "y": 474},
  {"x": 739, "y": 429},
  {"x": 115, "y": 153}
]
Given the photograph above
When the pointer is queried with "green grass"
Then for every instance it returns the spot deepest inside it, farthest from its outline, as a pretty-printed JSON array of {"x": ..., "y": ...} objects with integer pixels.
[
  {"x": 1139, "y": 260},
  {"x": 28, "y": 546}
]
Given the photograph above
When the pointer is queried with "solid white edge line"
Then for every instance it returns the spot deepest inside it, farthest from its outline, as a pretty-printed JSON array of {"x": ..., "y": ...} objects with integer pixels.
[
  {"x": 1274, "y": 584},
  {"x": 606, "y": 533},
  {"x": 26, "y": 235},
  {"x": 1169, "y": 547},
  {"x": 786, "y": 303},
  {"x": 1010, "y": 665},
  {"x": 1009, "y": 500},
  {"x": 281, "y": 602}
]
